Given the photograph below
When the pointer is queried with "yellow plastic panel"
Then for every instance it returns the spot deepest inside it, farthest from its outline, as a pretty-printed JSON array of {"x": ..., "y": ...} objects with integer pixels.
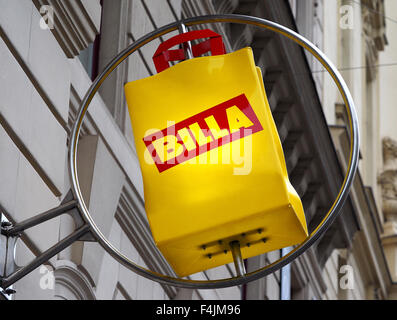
[{"x": 212, "y": 163}]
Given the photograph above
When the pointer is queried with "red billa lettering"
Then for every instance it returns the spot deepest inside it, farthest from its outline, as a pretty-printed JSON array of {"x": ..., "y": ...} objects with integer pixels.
[{"x": 231, "y": 120}]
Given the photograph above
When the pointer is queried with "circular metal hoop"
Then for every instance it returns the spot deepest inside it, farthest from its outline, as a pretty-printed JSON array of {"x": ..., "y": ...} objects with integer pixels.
[{"x": 329, "y": 218}]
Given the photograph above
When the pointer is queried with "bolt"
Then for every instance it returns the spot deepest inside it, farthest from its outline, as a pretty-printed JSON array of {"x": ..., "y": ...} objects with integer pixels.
[
  {"x": 6, "y": 224},
  {"x": 9, "y": 291}
]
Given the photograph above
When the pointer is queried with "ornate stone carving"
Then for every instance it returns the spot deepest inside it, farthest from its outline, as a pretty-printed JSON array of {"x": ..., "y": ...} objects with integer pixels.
[
  {"x": 388, "y": 182},
  {"x": 389, "y": 153},
  {"x": 388, "y": 179},
  {"x": 71, "y": 283},
  {"x": 374, "y": 26}
]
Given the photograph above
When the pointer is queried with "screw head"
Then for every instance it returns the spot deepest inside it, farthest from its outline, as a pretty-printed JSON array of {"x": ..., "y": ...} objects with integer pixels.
[
  {"x": 9, "y": 291},
  {"x": 6, "y": 224}
]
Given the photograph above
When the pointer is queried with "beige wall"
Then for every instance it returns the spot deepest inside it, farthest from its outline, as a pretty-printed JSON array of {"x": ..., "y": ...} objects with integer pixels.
[{"x": 387, "y": 74}]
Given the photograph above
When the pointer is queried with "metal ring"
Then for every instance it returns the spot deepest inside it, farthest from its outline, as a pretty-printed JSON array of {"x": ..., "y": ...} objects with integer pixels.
[{"x": 333, "y": 212}]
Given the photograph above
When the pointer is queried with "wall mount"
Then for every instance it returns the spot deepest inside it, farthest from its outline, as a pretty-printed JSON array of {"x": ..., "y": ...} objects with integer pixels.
[
  {"x": 10, "y": 272},
  {"x": 87, "y": 230}
]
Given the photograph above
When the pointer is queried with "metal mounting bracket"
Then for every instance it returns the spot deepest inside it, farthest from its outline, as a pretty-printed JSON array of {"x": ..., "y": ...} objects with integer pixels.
[{"x": 10, "y": 272}]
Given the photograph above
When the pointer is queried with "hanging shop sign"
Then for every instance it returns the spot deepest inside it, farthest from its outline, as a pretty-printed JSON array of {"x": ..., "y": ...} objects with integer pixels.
[
  {"x": 214, "y": 173},
  {"x": 212, "y": 162}
]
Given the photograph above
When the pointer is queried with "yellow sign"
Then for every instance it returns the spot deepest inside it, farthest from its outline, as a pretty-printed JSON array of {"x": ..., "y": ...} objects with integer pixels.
[{"x": 212, "y": 163}]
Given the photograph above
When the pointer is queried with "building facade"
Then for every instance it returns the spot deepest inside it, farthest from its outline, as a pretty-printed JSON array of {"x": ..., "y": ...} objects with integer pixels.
[{"x": 50, "y": 51}]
